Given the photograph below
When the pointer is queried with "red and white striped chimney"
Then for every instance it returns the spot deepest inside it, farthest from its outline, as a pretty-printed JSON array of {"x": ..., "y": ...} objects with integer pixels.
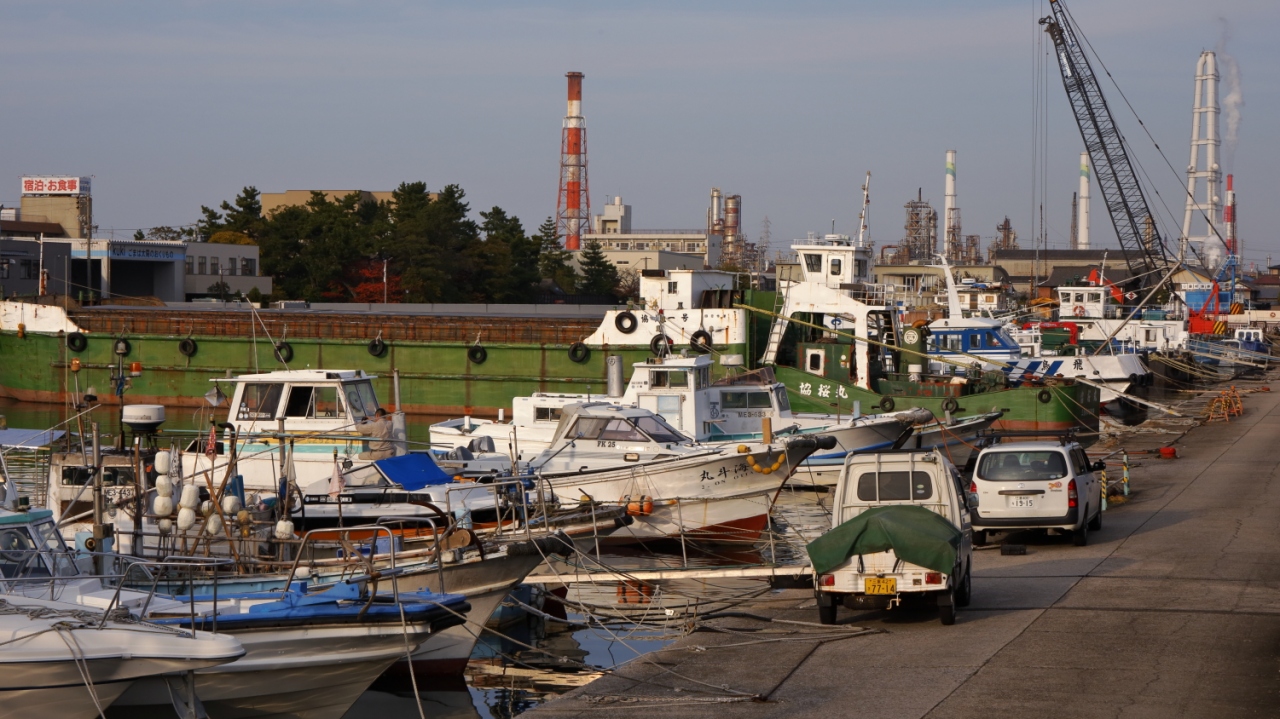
[{"x": 573, "y": 202}]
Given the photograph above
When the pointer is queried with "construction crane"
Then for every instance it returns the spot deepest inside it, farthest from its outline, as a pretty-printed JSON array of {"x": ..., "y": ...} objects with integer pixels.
[{"x": 1135, "y": 226}]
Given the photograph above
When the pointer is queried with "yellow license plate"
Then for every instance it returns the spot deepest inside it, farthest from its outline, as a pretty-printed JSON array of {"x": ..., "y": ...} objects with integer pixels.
[{"x": 879, "y": 585}]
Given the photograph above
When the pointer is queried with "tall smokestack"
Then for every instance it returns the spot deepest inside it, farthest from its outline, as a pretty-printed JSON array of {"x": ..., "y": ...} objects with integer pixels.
[
  {"x": 732, "y": 218},
  {"x": 951, "y": 213},
  {"x": 1229, "y": 217},
  {"x": 715, "y": 221},
  {"x": 1082, "y": 219},
  {"x": 573, "y": 202}
]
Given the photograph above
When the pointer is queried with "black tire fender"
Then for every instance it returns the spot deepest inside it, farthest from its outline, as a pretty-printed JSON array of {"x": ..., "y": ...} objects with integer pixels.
[
  {"x": 477, "y": 354},
  {"x": 188, "y": 347},
  {"x": 377, "y": 347},
  {"x": 950, "y": 405},
  {"x": 887, "y": 404},
  {"x": 626, "y": 322},
  {"x": 658, "y": 341},
  {"x": 701, "y": 341},
  {"x": 579, "y": 352},
  {"x": 1045, "y": 396},
  {"x": 283, "y": 352},
  {"x": 77, "y": 342}
]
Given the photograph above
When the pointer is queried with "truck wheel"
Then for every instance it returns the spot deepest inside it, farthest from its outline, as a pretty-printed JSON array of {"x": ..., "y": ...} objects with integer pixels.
[
  {"x": 1095, "y": 524},
  {"x": 980, "y": 538},
  {"x": 1080, "y": 537},
  {"x": 965, "y": 594},
  {"x": 947, "y": 607}
]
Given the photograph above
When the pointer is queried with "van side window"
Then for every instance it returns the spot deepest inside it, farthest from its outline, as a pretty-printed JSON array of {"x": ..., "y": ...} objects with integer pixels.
[
  {"x": 894, "y": 486},
  {"x": 1081, "y": 461}
]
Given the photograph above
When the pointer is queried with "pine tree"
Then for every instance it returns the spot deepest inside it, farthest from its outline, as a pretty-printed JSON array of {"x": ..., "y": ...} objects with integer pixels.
[
  {"x": 553, "y": 259},
  {"x": 599, "y": 275}
]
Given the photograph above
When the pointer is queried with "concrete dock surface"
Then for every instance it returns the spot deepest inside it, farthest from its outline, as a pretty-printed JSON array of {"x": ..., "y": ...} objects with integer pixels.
[{"x": 1172, "y": 610}]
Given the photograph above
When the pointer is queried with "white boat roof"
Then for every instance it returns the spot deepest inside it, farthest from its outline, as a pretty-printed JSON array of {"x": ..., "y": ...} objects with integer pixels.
[
  {"x": 966, "y": 323},
  {"x": 1038, "y": 446},
  {"x": 300, "y": 375},
  {"x": 604, "y": 409}
]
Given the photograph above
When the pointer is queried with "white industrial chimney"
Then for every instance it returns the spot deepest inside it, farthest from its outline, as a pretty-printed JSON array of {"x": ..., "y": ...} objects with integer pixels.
[
  {"x": 951, "y": 213},
  {"x": 1082, "y": 219}
]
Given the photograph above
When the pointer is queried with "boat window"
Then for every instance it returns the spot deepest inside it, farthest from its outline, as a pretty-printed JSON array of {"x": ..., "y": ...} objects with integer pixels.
[
  {"x": 835, "y": 266},
  {"x": 703, "y": 378},
  {"x": 815, "y": 361},
  {"x": 48, "y": 536},
  {"x": 658, "y": 430},
  {"x": 894, "y": 486},
  {"x": 299, "y": 402},
  {"x": 746, "y": 400},
  {"x": 784, "y": 402},
  {"x": 360, "y": 396},
  {"x": 813, "y": 263},
  {"x": 547, "y": 414},
  {"x": 758, "y": 400},
  {"x": 669, "y": 379},
  {"x": 259, "y": 401},
  {"x": 1079, "y": 297},
  {"x": 1022, "y": 465},
  {"x": 313, "y": 403},
  {"x": 993, "y": 340},
  {"x": 1095, "y": 296},
  {"x": 111, "y": 476},
  {"x": 620, "y": 430},
  {"x": 18, "y": 554}
]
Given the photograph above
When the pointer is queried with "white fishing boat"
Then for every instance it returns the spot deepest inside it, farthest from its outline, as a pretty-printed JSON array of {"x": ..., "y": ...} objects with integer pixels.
[
  {"x": 306, "y": 653},
  {"x": 675, "y": 488},
  {"x": 64, "y": 660}
]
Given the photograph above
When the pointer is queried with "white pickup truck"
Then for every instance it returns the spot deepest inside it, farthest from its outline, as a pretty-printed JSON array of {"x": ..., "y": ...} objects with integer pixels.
[{"x": 897, "y": 518}]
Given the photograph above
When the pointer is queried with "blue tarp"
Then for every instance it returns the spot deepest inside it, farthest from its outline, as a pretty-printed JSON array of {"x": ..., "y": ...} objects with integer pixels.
[{"x": 412, "y": 471}]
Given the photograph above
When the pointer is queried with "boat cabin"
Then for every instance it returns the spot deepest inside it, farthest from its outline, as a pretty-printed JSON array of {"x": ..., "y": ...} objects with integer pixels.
[
  {"x": 307, "y": 400},
  {"x": 599, "y": 434}
]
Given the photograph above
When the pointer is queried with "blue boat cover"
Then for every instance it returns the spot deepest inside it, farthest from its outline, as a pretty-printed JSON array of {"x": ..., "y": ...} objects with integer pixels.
[{"x": 412, "y": 471}]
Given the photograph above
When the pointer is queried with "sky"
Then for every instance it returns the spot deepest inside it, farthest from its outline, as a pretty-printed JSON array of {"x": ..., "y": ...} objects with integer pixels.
[{"x": 175, "y": 104}]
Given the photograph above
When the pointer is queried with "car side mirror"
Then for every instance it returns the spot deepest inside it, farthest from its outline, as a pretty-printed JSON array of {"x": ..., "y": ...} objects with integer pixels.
[{"x": 1099, "y": 466}]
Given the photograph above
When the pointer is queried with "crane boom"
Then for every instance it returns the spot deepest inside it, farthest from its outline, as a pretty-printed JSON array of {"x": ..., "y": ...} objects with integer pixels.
[{"x": 1130, "y": 215}]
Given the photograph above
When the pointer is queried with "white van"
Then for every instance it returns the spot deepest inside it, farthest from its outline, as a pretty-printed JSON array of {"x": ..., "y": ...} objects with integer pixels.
[
  {"x": 1036, "y": 485},
  {"x": 881, "y": 580}
]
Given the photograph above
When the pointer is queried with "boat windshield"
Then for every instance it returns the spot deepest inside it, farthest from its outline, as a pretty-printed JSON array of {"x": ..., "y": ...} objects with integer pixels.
[
  {"x": 1022, "y": 466},
  {"x": 658, "y": 430},
  {"x": 25, "y": 555},
  {"x": 361, "y": 399}
]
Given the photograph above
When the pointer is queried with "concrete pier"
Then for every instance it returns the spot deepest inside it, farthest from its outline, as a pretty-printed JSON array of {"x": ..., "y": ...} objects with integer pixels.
[{"x": 1173, "y": 610}]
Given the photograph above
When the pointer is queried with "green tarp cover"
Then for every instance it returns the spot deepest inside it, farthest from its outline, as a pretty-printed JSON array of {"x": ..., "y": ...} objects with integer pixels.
[{"x": 915, "y": 535}]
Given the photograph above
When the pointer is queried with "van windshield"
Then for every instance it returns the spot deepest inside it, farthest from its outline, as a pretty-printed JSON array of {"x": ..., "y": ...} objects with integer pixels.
[{"x": 1022, "y": 465}]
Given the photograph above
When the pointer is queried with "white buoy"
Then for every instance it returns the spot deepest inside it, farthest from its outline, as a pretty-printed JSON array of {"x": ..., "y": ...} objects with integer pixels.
[
  {"x": 165, "y": 526},
  {"x": 213, "y": 525},
  {"x": 164, "y": 486},
  {"x": 163, "y": 506},
  {"x": 186, "y": 518},
  {"x": 230, "y": 504},
  {"x": 190, "y": 496},
  {"x": 206, "y": 508},
  {"x": 284, "y": 529},
  {"x": 162, "y": 462}
]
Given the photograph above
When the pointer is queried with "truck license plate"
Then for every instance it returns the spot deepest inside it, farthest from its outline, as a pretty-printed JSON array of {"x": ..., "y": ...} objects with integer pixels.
[
  {"x": 880, "y": 585},
  {"x": 1026, "y": 502}
]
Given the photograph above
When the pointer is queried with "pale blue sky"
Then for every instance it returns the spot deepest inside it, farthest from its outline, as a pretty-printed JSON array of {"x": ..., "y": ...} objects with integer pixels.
[{"x": 174, "y": 104}]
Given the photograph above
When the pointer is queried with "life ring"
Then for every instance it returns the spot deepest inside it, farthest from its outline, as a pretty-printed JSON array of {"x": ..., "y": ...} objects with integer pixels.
[
  {"x": 477, "y": 354},
  {"x": 701, "y": 341},
  {"x": 659, "y": 340},
  {"x": 377, "y": 347},
  {"x": 579, "y": 352},
  {"x": 626, "y": 322},
  {"x": 122, "y": 347},
  {"x": 77, "y": 342},
  {"x": 1045, "y": 396},
  {"x": 1077, "y": 311},
  {"x": 283, "y": 352},
  {"x": 187, "y": 347},
  {"x": 950, "y": 405},
  {"x": 886, "y": 404}
]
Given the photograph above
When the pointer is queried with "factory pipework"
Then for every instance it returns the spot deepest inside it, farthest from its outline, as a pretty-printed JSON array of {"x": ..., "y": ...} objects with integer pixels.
[{"x": 1082, "y": 218}]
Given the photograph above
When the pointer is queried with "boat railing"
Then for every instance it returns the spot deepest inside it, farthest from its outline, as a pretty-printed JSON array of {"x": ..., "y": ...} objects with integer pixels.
[
  {"x": 516, "y": 493},
  {"x": 435, "y": 535},
  {"x": 344, "y": 534}
]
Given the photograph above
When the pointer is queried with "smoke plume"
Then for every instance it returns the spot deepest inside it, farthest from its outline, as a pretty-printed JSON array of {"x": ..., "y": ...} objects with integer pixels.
[{"x": 1233, "y": 99}]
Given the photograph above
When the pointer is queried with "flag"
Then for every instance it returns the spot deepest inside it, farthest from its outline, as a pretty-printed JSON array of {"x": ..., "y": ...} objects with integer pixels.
[
  {"x": 336, "y": 484},
  {"x": 211, "y": 448}
]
